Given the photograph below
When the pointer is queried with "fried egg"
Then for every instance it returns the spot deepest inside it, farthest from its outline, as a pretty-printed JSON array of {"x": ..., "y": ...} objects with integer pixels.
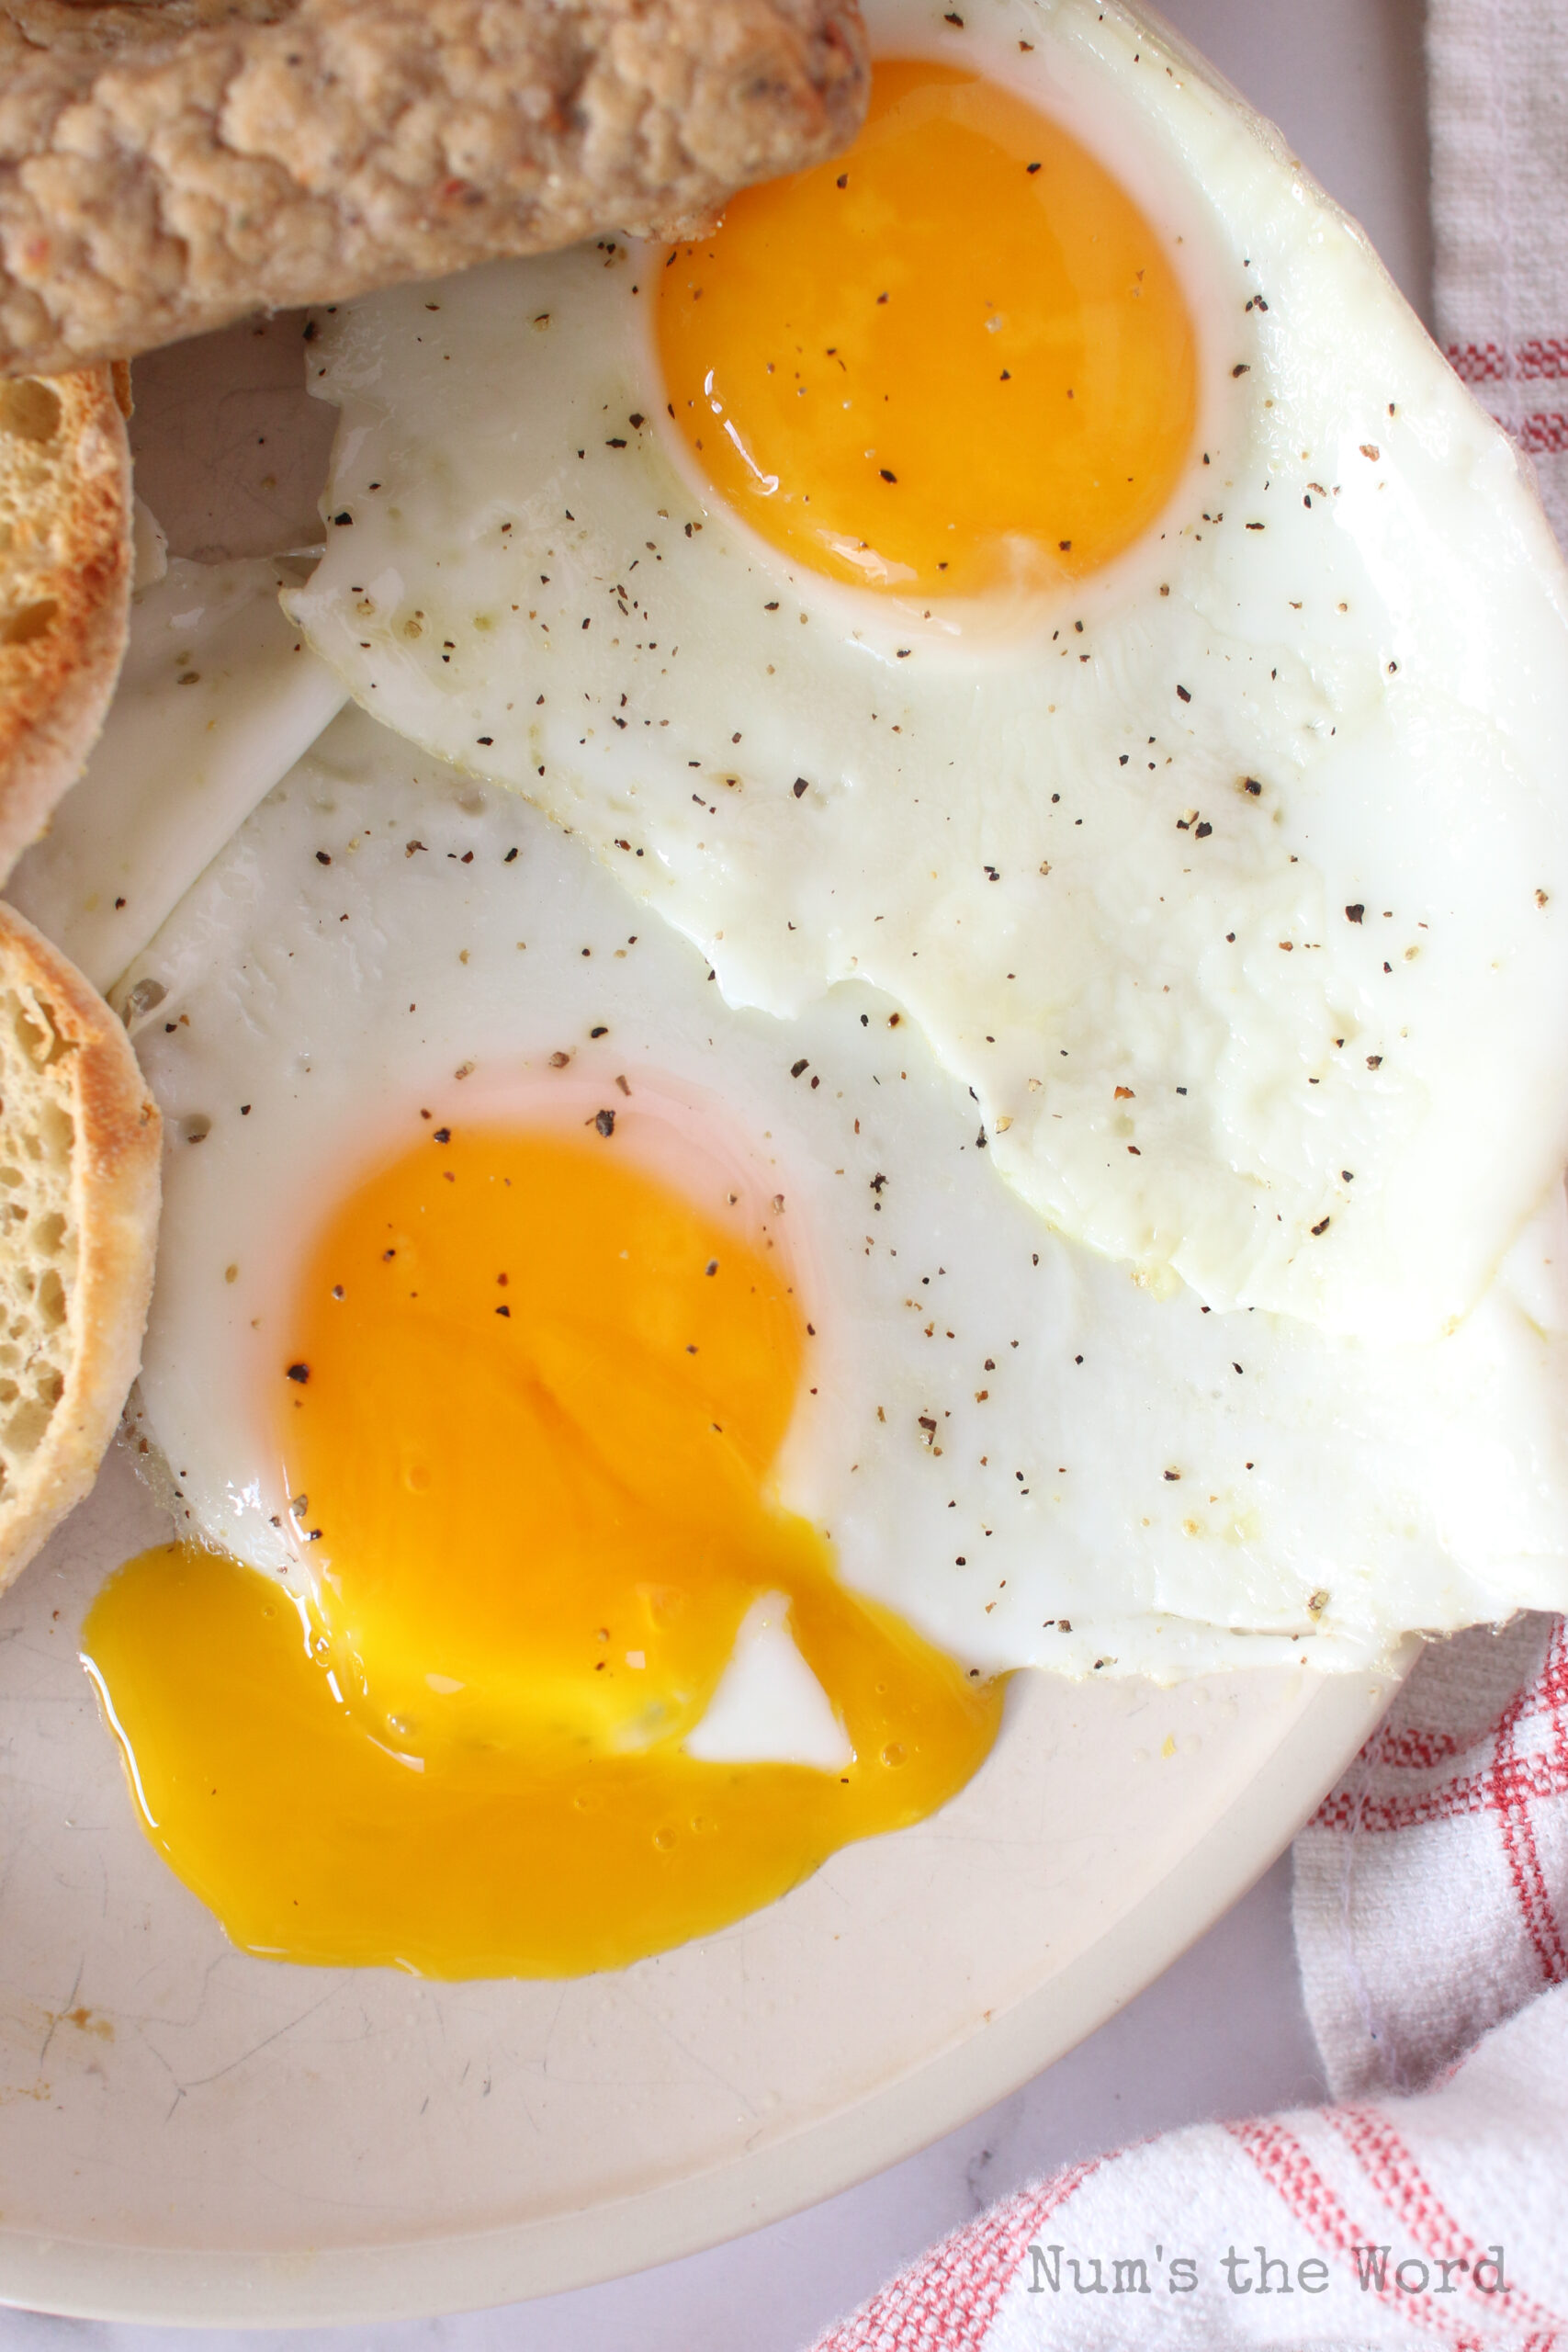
[
  {"x": 603, "y": 1392},
  {"x": 1002, "y": 1108},
  {"x": 1036, "y": 566}
]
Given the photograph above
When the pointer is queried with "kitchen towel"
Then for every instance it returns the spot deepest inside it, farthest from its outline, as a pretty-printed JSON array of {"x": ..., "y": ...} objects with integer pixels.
[
  {"x": 1428, "y": 2205},
  {"x": 1498, "y": 82}
]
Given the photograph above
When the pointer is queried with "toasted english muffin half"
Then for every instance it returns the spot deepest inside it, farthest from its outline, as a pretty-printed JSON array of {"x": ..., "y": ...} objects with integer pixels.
[
  {"x": 64, "y": 585},
  {"x": 79, "y": 1187},
  {"x": 168, "y": 165}
]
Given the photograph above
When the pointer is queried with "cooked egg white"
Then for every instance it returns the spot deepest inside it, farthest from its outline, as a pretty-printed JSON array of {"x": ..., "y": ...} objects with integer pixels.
[
  {"x": 644, "y": 1432},
  {"x": 1031, "y": 1455},
  {"x": 1214, "y": 831},
  {"x": 769, "y": 1706},
  {"x": 217, "y": 699}
]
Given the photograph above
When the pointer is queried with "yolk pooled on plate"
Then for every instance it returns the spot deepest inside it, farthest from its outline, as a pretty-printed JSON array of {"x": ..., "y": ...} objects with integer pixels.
[
  {"x": 528, "y": 1410},
  {"x": 956, "y": 360}
]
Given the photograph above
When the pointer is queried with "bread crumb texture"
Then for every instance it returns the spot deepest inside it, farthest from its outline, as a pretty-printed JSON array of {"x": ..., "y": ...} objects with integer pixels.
[
  {"x": 79, "y": 1167},
  {"x": 65, "y": 585},
  {"x": 166, "y": 165}
]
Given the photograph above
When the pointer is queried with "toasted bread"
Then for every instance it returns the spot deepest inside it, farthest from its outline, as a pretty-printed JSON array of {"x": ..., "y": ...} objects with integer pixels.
[
  {"x": 168, "y": 166},
  {"x": 79, "y": 1185},
  {"x": 64, "y": 586}
]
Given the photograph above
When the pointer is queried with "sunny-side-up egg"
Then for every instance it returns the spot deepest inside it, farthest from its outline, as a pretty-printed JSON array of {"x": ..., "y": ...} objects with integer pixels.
[
  {"x": 1038, "y": 565},
  {"x": 643, "y": 1432},
  {"x": 1014, "y": 1119}
]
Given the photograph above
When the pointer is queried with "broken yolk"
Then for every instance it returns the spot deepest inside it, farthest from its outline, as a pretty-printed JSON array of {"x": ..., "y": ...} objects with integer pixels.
[
  {"x": 955, "y": 361},
  {"x": 528, "y": 1411}
]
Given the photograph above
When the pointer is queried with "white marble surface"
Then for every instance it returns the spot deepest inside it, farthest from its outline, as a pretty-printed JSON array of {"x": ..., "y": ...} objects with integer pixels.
[{"x": 1222, "y": 2032}]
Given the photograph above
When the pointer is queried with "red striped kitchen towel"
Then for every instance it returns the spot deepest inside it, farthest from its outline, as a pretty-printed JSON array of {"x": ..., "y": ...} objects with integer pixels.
[
  {"x": 1429, "y": 2204},
  {"x": 1498, "y": 103}
]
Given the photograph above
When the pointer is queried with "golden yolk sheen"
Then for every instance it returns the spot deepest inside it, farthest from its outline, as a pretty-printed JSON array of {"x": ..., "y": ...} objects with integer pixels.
[
  {"x": 529, "y": 1408},
  {"x": 956, "y": 361}
]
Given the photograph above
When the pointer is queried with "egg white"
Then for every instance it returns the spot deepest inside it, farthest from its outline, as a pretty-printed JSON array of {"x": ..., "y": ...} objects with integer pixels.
[
  {"x": 217, "y": 697},
  {"x": 768, "y": 1707},
  {"x": 1033, "y": 1457},
  {"x": 1338, "y": 1006}
]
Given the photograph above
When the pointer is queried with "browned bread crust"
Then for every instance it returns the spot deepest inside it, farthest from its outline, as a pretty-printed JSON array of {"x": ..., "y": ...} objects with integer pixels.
[
  {"x": 64, "y": 586},
  {"x": 166, "y": 165},
  {"x": 79, "y": 1186}
]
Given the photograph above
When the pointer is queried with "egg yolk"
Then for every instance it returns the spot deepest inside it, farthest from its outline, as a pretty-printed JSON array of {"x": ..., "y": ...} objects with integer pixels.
[
  {"x": 955, "y": 361},
  {"x": 528, "y": 1410}
]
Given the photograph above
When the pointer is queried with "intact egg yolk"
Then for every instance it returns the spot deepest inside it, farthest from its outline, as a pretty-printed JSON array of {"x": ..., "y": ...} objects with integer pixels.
[
  {"x": 528, "y": 1410},
  {"x": 955, "y": 361}
]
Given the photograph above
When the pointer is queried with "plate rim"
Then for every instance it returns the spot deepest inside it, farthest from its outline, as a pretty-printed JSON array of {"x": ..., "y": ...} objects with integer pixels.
[{"x": 419, "y": 2277}]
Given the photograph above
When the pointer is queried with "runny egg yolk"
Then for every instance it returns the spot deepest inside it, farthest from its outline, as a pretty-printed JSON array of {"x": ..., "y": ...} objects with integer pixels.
[
  {"x": 528, "y": 1410},
  {"x": 955, "y": 361}
]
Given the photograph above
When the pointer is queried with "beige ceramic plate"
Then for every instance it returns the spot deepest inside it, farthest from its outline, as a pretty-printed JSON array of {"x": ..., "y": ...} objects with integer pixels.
[{"x": 191, "y": 2134}]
